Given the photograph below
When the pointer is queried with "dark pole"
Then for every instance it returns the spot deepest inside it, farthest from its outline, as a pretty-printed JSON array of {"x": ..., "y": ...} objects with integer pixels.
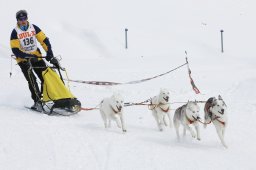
[
  {"x": 126, "y": 42},
  {"x": 221, "y": 32}
]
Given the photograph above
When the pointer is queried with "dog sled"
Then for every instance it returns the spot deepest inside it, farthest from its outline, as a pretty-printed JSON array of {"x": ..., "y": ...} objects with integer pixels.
[{"x": 56, "y": 98}]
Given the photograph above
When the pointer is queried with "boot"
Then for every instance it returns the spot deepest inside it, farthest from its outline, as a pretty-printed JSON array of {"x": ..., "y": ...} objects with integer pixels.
[{"x": 37, "y": 106}]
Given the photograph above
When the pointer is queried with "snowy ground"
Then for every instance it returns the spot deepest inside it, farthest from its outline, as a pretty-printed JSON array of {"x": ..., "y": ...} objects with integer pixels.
[{"x": 90, "y": 37}]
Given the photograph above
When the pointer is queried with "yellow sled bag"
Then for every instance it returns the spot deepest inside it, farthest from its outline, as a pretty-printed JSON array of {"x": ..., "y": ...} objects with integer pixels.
[{"x": 53, "y": 88}]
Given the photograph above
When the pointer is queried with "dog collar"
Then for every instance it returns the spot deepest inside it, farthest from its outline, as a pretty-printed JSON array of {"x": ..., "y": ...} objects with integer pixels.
[
  {"x": 189, "y": 120},
  {"x": 114, "y": 110},
  {"x": 164, "y": 110},
  {"x": 217, "y": 118}
]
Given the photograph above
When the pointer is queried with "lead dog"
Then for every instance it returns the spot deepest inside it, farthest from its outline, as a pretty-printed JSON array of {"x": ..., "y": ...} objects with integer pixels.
[
  {"x": 112, "y": 109},
  {"x": 187, "y": 115},
  {"x": 215, "y": 111},
  {"x": 161, "y": 109}
]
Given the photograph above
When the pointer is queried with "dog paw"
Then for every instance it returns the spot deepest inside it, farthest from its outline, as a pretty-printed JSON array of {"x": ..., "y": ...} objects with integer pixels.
[
  {"x": 124, "y": 130},
  {"x": 193, "y": 134},
  {"x": 199, "y": 139},
  {"x": 161, "y": 130}
]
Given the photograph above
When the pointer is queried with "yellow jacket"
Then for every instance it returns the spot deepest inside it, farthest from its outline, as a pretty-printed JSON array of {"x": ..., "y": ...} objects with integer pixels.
[{"x": 16, "y": 47}]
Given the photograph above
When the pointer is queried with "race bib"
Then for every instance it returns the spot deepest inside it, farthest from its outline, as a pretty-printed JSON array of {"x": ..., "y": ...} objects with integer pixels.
[{"x": 27, "y": 39}]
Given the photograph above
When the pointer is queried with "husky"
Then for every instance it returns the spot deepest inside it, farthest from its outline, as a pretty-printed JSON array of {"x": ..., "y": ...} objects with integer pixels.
[
  {"x": 215, "y": 111},
  {"x": 112, "y": 109},
  {"x": 161, "y": 109},
  {"x": 187, "y": 115}
]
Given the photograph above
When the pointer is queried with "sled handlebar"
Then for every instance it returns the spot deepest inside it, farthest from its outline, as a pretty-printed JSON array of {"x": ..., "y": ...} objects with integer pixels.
[{"x": 30, "y": 57}]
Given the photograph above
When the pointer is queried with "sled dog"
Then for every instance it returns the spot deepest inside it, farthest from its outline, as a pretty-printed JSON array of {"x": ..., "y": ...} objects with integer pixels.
[
  {"x": 187, "y": 115},
  {"x": 215, "y": 111},
  {"x": 112, "y": 109},
  {"x": 161, "y": 109}
]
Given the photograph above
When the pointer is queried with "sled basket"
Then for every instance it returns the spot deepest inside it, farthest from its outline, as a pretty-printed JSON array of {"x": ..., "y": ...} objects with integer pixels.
[{"x": 55, "y": 90}]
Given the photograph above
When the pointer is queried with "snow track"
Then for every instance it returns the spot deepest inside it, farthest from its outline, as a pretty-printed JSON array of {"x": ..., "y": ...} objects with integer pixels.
[{"x": 90, "y": 38}]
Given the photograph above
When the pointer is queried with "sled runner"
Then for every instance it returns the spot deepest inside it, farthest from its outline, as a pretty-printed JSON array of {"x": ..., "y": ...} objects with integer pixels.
[
  {"x": 55, "y": 112},
  {"x": 57, "y": 98}
]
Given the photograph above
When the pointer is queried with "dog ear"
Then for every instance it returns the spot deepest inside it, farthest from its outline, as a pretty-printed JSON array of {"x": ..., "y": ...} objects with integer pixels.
[
  {"x": 220, "y": 98},
  {"x": 212, "y": 101}
]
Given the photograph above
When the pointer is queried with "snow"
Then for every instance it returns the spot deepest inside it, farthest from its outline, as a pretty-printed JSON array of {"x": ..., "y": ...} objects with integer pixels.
[{"x": 89, "y": 35}]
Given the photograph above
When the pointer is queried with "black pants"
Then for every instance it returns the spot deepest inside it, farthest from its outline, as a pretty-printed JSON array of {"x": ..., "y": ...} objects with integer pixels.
[{"x": 31, "y": 78}]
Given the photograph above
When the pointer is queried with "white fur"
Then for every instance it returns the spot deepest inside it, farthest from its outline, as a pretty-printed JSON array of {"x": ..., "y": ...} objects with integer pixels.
[
  {"x": 112, "y": 109},
  {"x": 187, "y": 116},
  {"x": 217, "y": 109},
  {"x": 161, "y": 109}
]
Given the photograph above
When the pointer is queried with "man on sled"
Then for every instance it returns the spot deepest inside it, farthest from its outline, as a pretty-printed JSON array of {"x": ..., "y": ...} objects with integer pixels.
[{"x": 23, "y": 43}]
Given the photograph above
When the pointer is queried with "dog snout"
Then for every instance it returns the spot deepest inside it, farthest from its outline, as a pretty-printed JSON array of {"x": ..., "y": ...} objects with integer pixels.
[
  {"x": 222, "y": 111},
  {"x": 119, "y": 108}
]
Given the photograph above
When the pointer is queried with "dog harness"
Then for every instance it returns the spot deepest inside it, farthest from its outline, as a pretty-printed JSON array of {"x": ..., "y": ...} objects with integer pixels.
[
  {"x": 189, "y": 120},
  {"x": 114, "y": 110},
  {"x": 207, "y": 109},
  {"x": 223, "y": 123},
  {"x": 158, "y": 105},
  {"x": 165, "y": 110}
]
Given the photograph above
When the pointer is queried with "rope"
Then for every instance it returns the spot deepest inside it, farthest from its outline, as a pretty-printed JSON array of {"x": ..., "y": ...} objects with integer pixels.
[
  {"x": 199, "y": 120},
  {"x": 204, "y": 122},
  {"x": 105, "y": 83},
  {"x": 92, "y": 108},
  {"x": 144, "y": 103},
  {"x": 140, "y": 103},
  {"x": 88, "y": 109},
  {"x": 196, "y": 90}
]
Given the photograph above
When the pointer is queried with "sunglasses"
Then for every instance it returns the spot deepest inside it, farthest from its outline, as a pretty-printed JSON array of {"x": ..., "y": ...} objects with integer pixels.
[{"x": 22, "y": 19}]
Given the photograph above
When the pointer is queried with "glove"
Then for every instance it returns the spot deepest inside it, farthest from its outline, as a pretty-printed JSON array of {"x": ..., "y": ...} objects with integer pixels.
[
  {"x": 55, "y": 62},
  {"x": 49, "y": 55}
]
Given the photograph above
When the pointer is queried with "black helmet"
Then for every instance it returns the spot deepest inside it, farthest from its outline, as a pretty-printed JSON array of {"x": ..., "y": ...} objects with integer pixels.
[{"x": 21, "y": 15}]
